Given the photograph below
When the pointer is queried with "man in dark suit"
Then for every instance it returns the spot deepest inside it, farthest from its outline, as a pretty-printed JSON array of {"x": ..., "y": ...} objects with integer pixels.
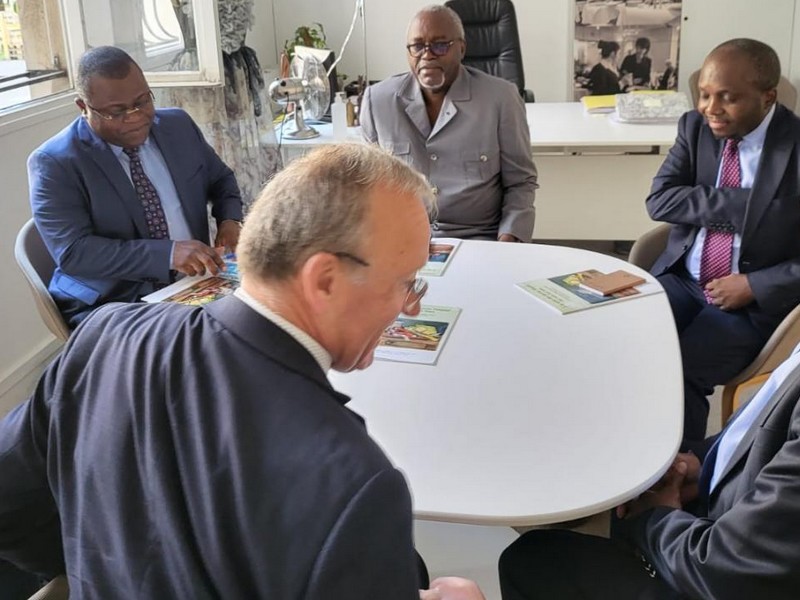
[
  {"x": 725, "y": 531},
  {"x": 730, "y": 187},
  {"x": 187, "y": 452},
  {"x": 120, "y": 196}
]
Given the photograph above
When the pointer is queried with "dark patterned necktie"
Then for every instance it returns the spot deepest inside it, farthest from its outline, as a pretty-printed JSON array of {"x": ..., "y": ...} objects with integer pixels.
[
  {"x": 716, "y": 257},
  {"x": 157, "y": 227}
]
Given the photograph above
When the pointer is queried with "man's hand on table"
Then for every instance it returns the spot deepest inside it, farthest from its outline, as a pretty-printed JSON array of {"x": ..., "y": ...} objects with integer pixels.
[
  {"x": 452, "y": 588},
  {"x": 228, "y": 235},
  {"x": 677, "y": 487},
  {"x": 507, "y": 237},
  {"x": 192, "y": 257}
]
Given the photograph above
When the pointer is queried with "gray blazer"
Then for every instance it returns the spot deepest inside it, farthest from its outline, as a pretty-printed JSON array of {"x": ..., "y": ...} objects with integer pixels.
[
  {"x": 742, "y": 543},
  {"x": 477, "y": 156}
]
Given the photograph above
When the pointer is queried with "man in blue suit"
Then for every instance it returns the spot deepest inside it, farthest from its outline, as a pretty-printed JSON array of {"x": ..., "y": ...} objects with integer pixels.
[{"x": 120, "y": 196}]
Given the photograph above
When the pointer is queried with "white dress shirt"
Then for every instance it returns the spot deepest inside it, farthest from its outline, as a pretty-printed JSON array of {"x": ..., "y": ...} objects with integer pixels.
[
  {"x": 732, "y": 437},
  {"x": 314, "y": 348}
]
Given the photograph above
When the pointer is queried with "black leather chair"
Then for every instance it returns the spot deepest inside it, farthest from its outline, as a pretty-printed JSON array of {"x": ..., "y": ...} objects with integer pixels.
[{"x": 490, "y": 28}]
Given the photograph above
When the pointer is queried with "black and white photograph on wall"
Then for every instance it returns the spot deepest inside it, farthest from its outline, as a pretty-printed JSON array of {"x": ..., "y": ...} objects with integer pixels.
[{"x": 625, "y": 45}]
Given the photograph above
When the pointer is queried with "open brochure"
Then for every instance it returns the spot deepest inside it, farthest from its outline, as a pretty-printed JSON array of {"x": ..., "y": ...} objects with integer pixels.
[
  {"x": 200, "y": 290},
  {"x": 418, "y": 339},
  {"x": 564, "y": 294},
  {"x": 440, "y": 255}
]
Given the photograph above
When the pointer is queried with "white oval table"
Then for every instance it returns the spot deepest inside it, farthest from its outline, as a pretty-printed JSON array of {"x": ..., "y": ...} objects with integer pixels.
[{"x": 529, "y": 417}]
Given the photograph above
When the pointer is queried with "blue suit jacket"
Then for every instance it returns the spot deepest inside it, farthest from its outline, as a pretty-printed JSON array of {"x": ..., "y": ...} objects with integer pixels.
[
  {"x": 184, "y": 452},
  {"x": 93, "y": 223},
  {"x": 767, "y": 216}
]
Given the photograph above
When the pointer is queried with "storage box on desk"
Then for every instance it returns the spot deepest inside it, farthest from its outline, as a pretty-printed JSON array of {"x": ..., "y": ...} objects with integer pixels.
[{"x": 651, "y": 107}]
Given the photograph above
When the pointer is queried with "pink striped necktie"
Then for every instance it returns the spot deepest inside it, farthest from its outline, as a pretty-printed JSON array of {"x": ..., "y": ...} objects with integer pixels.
[{"x": 716, "y": 257}]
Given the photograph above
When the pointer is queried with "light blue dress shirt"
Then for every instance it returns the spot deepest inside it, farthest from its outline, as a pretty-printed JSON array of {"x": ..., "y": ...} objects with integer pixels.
[
  {"x": 155, "y": 167},
  {"x": 732, "y": 437},
  {"x": 749, "y": 154}
]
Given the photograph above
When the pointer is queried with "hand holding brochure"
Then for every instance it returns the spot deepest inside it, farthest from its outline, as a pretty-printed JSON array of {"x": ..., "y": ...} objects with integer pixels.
[{"x": 202, "y": 289}]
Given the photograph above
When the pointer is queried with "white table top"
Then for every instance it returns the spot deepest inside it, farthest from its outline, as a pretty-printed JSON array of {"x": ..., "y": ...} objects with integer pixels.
[
  {"x": 568, "y": 124},
  {"x": 529, "y": 417},
  {"x": 552, "y": 124}
]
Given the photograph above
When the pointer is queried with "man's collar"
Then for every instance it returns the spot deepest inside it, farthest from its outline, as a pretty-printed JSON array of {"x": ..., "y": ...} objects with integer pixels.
[{"x": 758, "y": 135}]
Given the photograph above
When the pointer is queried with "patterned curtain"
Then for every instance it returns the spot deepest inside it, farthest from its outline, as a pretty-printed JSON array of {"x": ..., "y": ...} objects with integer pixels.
[{"x": 235, "y": 119}]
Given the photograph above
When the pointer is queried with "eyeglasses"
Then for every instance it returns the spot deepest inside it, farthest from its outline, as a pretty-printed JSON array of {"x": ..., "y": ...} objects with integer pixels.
[
  {"x": 416, "y": 289},
  {"x": 121, "y": 115},
  {"x": 417, "y": 49}
]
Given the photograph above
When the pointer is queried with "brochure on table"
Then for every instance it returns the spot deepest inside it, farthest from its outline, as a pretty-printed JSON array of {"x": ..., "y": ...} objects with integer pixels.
[
  {"x": 440, "y": 256},
  {"x": 564, "y": 294},
  {"x": 418, "y": 339}
]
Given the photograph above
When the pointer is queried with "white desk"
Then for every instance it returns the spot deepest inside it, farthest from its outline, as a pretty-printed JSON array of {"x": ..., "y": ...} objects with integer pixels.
[
  {"x": 594, "y": 172},
  {"x": 529, "y": 417}
]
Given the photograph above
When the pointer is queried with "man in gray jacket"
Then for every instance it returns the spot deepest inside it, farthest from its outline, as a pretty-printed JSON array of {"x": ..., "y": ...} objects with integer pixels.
[{"x": 466, "y": 131}]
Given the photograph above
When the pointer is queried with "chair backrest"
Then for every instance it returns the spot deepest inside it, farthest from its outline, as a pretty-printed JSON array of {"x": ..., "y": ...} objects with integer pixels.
[
  {"x": 57, "y": 589},
  {"x": 492, "y": 37},
  {"x": 37, "y": 265},
  {"x": 778, "y": 347},
  {"x": 649, "y": 247},
  {"x": 787, "y": 93}
]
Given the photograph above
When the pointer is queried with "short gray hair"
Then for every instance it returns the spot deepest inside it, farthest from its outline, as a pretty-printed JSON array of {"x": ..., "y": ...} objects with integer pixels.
[
  {"x": 446, "y": 10},
  {"x": 319, "y": 204}
]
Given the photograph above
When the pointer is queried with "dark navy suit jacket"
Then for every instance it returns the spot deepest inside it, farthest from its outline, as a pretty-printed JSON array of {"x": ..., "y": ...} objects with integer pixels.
[
  {"x": 92, "y": 221},
  {"x": 767, "y": 216},
  {"x": 199, "y": 453},
  {"x": 742, "y": 541}
]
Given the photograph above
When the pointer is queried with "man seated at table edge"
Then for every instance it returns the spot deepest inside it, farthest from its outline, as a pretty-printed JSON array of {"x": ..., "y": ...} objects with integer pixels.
[{"x": 108, "y": 245}]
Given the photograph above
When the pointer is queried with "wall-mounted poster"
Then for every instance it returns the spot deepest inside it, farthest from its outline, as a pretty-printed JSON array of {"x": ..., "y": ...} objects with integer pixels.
[{"x": 625, "y": 45}]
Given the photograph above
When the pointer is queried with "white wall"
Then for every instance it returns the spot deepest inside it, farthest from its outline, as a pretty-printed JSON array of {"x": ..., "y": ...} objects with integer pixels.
[
  {"x": 546, "y": 30},
  {"x": 26, "y": 343}
]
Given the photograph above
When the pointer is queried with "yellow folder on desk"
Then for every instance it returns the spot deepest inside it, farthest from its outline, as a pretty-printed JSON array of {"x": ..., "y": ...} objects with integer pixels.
[{"x": 599, "y": 104}]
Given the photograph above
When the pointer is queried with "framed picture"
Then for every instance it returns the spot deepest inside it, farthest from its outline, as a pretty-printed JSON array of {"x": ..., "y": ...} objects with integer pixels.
[{"x": 625, "y": 45}]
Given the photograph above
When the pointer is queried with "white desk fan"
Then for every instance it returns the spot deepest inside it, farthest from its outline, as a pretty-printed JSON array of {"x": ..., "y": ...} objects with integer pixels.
[{"x": 309, "y": 89}]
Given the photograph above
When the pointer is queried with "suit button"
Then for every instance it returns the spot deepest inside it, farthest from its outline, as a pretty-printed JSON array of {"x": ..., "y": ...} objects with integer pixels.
[
  {"x": 434, "y": 157},
  {"x": 484, "y": 158}
]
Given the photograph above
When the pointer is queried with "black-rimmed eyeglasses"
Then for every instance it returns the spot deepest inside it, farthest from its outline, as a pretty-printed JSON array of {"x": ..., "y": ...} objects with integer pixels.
[
  {"x": 122, "y": 114},
  {"x": 417, "y": 49},
  {"x": 416, "y": 288}
]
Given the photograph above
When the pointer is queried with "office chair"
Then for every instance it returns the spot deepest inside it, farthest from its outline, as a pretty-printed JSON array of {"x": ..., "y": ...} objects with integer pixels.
[
  {"x": 490, "y": 28},
  {"x": 779, "y": 346},
  {"x": 56, "y": 589},
  {"x": 37, "y": 265},
  {"x": 787, "y": 93}
]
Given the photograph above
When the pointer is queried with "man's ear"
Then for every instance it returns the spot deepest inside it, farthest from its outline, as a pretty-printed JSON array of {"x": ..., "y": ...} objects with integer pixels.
[
  {"x": 463, "y": 49},
  {"x": 320, "y": 279},
  {"x": 770, "y": 98},
  {"x": 81, "y": 105}
]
